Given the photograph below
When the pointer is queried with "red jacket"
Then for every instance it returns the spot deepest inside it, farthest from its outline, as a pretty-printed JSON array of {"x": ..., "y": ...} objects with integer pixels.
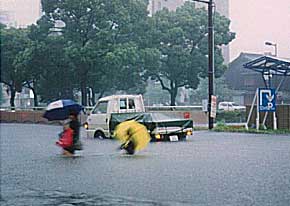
[{"x": 66, "y": 140}]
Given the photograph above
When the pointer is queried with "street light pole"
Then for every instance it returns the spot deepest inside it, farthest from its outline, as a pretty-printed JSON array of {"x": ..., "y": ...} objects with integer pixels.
[
  {"x": 274, "y": 45},
  {"x": 210, "y": 4}
]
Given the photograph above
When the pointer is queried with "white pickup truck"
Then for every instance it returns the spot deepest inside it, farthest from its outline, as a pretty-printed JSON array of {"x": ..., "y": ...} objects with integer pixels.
[
  {"x": 97, "y": 123},
  {"x": 112, "y": 110}
]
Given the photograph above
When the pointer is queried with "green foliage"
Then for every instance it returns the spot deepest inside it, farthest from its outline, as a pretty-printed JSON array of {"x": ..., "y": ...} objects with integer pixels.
[
  {"x": 181, "y": 40},
  {"x": 1, "y": 95},
  {"x": 57, "y": 79},
  {"x": 13, "y": 41},
  {"x": 108, "y": 46},
  {"x": 99, "y": 38}
]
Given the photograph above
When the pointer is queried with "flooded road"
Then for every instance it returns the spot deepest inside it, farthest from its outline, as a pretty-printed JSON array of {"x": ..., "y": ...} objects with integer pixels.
[{"x": 208, "y": 169}]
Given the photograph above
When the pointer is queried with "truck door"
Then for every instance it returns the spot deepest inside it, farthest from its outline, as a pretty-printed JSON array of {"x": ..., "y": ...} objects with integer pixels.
[{"x": 99, "y": 116}]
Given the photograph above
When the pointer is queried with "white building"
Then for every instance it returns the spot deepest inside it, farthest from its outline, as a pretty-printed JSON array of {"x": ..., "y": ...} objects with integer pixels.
[{"x": 19, "y": 13}]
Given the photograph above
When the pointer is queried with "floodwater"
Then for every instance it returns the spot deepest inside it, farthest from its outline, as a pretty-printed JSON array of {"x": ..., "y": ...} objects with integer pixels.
[{"x": 208, "y": 169}]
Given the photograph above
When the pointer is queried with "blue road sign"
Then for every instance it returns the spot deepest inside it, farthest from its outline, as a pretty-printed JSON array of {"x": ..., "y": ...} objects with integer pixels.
[{"x": 267, "y": 100}]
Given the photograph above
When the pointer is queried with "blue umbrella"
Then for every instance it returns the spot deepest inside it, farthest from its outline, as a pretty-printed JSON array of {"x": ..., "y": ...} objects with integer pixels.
[{"x": 60, "y": 110}]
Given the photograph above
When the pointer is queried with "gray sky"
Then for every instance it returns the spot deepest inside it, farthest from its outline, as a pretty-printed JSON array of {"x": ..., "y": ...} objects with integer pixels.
[
  {"x": 254, "y": 21},
  {"x": 257, "y": 21}
]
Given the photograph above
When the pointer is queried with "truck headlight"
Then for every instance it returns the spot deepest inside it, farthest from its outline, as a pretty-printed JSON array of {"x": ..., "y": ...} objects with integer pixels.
[
  {"x": 157, "y": 136},
  {"x": 86, "y": 125},
  {"x": 188, "y": 132}
]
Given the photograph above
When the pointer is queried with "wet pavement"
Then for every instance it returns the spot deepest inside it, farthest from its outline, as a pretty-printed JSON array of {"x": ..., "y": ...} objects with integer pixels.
[{"x": 208, "y": 169}]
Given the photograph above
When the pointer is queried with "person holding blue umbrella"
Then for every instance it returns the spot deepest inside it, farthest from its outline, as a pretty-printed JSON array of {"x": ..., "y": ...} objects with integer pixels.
[
  {"x": 66, "y": 109},
  {"x": 75, "y": 126},
  {"x": 61, "y": 109}
]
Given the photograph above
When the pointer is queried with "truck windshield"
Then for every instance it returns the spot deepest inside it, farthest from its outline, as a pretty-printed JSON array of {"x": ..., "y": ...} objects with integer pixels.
[{"x": 101, "y": 108}]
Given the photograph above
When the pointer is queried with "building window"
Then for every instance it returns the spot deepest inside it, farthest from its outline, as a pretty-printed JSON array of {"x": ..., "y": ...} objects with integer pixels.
[{"x": 159, "y": 5}]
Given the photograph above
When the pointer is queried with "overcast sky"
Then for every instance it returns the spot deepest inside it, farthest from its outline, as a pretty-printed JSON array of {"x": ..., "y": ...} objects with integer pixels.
[
  {"x": 254, "y": 21},
  {"x": 257, "y": 21}
]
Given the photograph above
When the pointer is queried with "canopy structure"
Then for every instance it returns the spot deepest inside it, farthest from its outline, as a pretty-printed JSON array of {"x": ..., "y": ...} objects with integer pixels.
[{"x": 269, "y": 66}]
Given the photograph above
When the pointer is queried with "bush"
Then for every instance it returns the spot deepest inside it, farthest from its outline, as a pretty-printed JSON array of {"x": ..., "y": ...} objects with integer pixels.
[{"x": 231, "y": 116}]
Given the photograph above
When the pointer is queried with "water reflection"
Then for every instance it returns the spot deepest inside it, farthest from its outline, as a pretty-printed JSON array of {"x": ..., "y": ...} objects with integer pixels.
[{"x": 59, "y": 198}]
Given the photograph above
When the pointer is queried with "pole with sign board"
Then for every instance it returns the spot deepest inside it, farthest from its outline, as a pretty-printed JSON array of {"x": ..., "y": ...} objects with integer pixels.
[
  {"x": 213, "y": 107},
  {"x": 266, "y": 102}
]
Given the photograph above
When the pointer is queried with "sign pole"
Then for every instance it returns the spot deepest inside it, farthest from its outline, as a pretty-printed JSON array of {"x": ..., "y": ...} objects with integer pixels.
[
  {"x": 251, "y": 111},
  {"x": 210, "y": 60},
  {"x": 258, "y": 114},
  {"x": 274, "y": 121}
]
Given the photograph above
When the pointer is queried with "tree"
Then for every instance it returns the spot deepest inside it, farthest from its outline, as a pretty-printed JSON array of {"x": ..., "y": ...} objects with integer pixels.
[
  {"x": 181, "y": 39},
  {"x": 1, "y": 95},
  {"x": 13, "y": 41},
  {"x": 222, "y": 91},
  {"x": 93, "y": 29}
]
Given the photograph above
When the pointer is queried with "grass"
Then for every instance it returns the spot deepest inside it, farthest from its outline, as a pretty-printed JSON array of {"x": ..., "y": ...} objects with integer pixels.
[{"x": 222, "y": 127}]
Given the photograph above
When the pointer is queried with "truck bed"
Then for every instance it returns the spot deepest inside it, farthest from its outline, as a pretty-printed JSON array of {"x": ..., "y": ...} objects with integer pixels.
[{"x": 154, "y": 121}]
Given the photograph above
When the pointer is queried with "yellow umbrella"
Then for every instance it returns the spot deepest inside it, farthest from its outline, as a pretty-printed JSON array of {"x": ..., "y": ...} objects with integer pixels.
[{"x": 132, "y": 131}]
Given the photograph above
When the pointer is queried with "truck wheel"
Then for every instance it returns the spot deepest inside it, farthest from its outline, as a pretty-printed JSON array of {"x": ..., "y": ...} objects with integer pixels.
[{"x": 99, "y": 135}]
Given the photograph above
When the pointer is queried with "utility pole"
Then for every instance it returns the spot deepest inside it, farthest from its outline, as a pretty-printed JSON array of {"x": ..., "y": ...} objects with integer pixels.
[
  {"x": 210, "y": 4},
  {"x": 210, "y": 61}
]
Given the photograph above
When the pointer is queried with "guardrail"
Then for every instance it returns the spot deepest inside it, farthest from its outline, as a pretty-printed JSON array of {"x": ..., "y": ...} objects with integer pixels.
[
  {"x": 34, "y": 115},
  {"x": 89, "y": 108}
]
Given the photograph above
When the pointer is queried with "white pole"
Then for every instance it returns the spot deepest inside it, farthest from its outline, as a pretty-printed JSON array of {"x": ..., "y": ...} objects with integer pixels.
[
  {"x": 264, "y": 120},
  {"x": 251, "y": 111},
  {"x": 274, "y": 121},
  {"x": 258, "y": 114}
]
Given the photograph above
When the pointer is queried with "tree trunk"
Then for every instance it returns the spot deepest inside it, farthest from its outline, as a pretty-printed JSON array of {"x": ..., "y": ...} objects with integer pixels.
[
  {"x": 84, "y": 94},
  {"x": 12, "y": 97},
  {"x": 35, "y": 97},
  {"x": 172, "y": 99},
  {"x": 93, "y": 97},
  {"x": 173, "y": 93}
]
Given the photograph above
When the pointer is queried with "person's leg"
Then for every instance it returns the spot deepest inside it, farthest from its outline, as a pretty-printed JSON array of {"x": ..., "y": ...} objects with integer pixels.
[
  {"x": 70, "y": 149},
  {"x": 130, "y": 148},
  {"x": 67, "y": 153}
]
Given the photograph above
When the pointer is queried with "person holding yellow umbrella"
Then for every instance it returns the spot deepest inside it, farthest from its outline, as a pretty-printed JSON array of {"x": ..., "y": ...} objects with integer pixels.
[{"x": 133, "y": 135}]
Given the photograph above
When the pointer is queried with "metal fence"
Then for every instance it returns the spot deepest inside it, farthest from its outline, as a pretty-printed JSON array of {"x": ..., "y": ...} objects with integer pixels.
[{"x": 282, "y": 113}]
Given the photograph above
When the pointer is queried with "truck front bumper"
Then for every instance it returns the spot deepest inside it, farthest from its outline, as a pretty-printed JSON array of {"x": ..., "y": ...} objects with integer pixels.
[
  {"x": 90, "y": 133},
  {"x": 171, "y": 136}
]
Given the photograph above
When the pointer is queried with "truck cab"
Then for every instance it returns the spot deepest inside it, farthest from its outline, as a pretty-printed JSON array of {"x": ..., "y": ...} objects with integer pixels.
[{"x": 97, "y": 124}]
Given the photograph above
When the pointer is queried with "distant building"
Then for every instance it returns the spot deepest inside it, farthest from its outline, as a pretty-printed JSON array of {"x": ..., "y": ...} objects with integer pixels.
[
  {"x": 8, "y": 18},
  {"x": 157, "y": 5},
  {"x": 247, "y": 81},
  {"x": 19, "y": 13}
]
